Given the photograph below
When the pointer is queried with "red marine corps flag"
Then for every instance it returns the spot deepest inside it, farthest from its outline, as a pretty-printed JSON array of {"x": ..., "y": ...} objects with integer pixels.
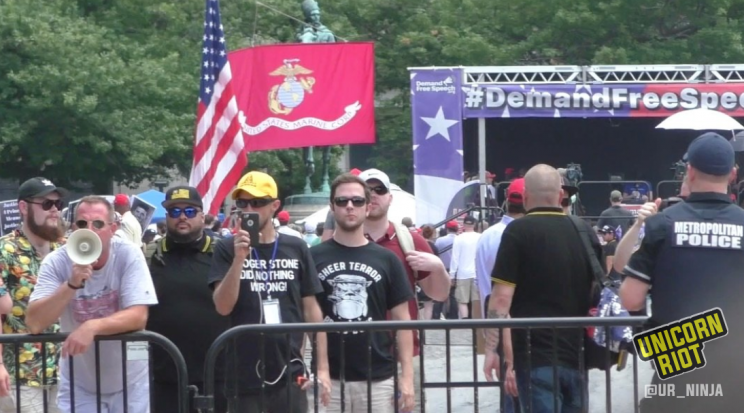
[{"x": 298, "y": 95}]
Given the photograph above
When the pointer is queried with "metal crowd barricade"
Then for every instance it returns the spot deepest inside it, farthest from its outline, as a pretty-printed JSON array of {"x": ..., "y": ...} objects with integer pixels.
[
  {"x": 205, "y": 401},
  {"x": 17, "y": 340},
  {"x": 594, "y": 196}
]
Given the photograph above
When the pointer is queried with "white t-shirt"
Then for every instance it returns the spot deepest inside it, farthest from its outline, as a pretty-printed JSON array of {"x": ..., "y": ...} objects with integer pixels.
[
  {"x": 131, "y": 228},
  {"x": 283, "y": 229},
  {"x": 462, "y": 266},
  {"x": 123, "y": 282}
]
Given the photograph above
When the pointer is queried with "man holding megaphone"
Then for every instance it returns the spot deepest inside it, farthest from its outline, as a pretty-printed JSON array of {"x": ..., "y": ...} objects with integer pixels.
[{"x": 96, "y": 285}]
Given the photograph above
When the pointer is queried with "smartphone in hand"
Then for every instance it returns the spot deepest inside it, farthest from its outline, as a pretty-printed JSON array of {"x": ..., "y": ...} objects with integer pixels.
[{"x": 249, "y": 223}]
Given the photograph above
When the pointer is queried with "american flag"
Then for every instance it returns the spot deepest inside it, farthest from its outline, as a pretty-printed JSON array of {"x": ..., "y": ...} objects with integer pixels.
[{"x": 219, "y": 157}]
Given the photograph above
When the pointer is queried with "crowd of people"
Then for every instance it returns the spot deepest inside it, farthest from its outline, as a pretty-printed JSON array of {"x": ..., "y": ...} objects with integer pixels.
[{"x": 191, "y": 282}]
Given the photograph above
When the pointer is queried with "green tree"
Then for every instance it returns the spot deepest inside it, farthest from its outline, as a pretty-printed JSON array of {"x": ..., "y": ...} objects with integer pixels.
[{"x": 82, "y": 104}]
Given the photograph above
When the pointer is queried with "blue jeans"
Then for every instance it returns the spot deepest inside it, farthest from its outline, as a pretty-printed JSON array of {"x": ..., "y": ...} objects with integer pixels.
[{"x": 569, "y": 390}]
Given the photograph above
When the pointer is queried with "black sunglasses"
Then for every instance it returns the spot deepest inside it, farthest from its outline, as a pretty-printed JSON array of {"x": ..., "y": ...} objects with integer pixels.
[
  {"x": 343, "y": 201},
  {"x": 379, "y": 190},
  {"x": 97, "y": 224},
  {"x": 175, "y": 212},
  {"x": 47, "y": 204},
  {"x": 254, "y": 202}
]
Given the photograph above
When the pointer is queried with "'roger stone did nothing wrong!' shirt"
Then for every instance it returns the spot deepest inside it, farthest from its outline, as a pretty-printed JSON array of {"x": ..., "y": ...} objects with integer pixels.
[
  {"x": 360, "y": 284},
  {"x": 288, "y": 278}
]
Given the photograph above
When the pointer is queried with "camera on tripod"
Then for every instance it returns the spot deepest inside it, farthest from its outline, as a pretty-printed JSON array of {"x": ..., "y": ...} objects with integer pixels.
[
  {"x": 573, "y": 174},
  {"x": 680, "y": 169}
]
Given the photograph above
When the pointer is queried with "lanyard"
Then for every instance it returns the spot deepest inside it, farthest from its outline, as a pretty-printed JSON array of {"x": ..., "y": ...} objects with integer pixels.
[{"x": 265, "y": 274}]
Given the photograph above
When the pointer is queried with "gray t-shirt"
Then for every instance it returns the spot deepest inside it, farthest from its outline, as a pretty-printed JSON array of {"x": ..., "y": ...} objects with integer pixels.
[{"x": 123, "y": 282}]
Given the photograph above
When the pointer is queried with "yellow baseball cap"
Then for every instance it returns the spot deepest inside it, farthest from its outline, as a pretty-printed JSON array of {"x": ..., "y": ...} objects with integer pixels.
[{"x": 257, "y": 184}]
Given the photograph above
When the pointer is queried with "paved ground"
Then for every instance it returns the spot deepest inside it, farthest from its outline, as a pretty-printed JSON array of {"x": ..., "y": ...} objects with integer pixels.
[{"x": 463, "y": 400}]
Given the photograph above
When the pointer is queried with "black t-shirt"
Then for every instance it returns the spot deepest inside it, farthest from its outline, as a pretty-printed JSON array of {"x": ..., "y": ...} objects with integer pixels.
[
  {"x": 609, "y": 251},
  {"x": 289, "y": 277},
  {"x": 360, "y": 284},
  {"x": 610, "y": 248},
  {"x": 185, "y": 306},
  {"x": 542, "y": 255},
  {"x": 616, "y": 216}
]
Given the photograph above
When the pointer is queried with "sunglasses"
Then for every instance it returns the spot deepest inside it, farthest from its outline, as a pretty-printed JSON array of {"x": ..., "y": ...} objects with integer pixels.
[
  {"x": 343, "y": 201},
  {"x": 97, "y": 224},
  {"x": 254, "y": 202},
  {"x": 175, "y": 212},
  {"x": 47, "y": 204},
  {"x": 379, "y": 190}
]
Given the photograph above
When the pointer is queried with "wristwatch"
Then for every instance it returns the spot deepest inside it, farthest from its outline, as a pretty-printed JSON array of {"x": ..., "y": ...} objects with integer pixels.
[{"x": 69, "y": 284}]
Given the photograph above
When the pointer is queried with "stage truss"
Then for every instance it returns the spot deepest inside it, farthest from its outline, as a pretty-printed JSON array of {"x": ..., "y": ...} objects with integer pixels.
[{"x": 603, "y": 74}]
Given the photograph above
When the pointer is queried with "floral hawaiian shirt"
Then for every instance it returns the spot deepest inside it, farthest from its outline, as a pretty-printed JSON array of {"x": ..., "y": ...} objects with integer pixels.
[{"x": 19, "y": 267}]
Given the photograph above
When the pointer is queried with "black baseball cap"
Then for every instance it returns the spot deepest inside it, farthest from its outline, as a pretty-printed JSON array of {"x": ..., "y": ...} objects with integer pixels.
[
  {"x": 569, "y": 189},
  {"x": 712, "y": 154},
  {"x": 38, "y": 187},
  {"x": 469, "y": 220},
  {"x": 182, "y": 195},
  {"x": 607, "y": 229}
]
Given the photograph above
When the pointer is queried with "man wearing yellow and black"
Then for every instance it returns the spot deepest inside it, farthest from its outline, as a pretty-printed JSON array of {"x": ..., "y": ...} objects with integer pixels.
[{"x": 691, "y": 259}]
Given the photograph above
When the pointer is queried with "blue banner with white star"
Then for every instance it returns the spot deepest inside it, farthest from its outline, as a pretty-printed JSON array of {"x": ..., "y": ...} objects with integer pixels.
[{"x": 436, "y": 108}]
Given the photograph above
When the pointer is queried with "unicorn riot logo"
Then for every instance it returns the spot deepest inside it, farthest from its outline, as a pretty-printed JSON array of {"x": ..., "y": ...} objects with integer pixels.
[
  {"x": 349, "y": 297},
  {"x": 290, "y": 94}
]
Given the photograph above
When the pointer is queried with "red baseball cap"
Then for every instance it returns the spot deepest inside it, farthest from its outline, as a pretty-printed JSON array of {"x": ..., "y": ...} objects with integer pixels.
[
  {"x": 355, "y": 172},
  {"x": 283, "y": 216},
  {"x": 452, "y": 225},
  {"x": 515, "y": 192},
  {"x": 121, "y": 199}
]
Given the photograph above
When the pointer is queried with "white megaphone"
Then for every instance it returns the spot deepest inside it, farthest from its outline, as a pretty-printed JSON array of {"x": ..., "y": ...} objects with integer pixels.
[{"x": 84, "y": 247}]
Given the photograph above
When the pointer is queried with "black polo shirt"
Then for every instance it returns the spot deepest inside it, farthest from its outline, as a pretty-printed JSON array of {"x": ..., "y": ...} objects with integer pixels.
[
  {"x": 543, "y": 257},
  {"x": 185, "y": 313}
]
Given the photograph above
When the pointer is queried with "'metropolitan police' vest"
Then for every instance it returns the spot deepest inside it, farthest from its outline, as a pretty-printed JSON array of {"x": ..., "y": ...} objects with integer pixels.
[
  {"x": 701, "y": 263},
  {"x": 700, "y": 266}
]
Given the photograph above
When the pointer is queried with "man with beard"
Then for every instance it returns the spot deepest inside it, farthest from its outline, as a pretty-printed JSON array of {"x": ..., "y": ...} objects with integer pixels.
[
  {"x": 422, "y": 266},
  {"x": 110, "y": 296},
  {"x": 267, "y": 280},
  {"x": 21, "y": 253},
  {"x": 180, "y": 268},
  {"x": 363, "y": 282}
]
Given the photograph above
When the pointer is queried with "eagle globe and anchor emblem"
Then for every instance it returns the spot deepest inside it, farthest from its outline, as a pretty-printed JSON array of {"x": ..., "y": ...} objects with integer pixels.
[{"x": 290, "y": 94}]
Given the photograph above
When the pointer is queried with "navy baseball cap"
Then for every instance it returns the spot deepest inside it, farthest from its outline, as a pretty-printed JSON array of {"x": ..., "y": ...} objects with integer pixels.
[{"x": 711, "y": 153}]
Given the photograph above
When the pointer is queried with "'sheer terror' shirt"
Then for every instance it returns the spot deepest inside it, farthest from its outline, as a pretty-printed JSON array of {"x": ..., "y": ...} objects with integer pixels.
[
  {"x": 289, "y": 277},
  {"x": 360, "y": 284}
]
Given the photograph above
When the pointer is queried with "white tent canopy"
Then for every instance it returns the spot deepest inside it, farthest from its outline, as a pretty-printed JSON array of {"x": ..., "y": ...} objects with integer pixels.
[{"x": 404, "y": 205}]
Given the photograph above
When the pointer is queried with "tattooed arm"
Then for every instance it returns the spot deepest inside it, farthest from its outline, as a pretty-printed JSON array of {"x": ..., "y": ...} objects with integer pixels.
[{"x": 498, "y": 307}]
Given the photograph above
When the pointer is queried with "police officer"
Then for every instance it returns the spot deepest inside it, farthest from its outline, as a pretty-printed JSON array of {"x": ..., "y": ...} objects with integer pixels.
[
  {"x": 691, "y": 259},
  {"x": 185, "y": 313}
]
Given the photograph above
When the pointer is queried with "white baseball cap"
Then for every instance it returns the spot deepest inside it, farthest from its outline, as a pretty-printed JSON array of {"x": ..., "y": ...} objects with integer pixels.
[{"x": 377, "y": 174}]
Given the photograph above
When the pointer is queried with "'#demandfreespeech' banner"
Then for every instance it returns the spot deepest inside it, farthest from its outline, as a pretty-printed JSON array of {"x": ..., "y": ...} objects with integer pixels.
[{"x": 587, "y": 100}]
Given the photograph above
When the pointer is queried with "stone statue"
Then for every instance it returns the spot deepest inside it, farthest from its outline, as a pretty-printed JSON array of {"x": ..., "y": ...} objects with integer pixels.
[{"x": 313, "y": 31}]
